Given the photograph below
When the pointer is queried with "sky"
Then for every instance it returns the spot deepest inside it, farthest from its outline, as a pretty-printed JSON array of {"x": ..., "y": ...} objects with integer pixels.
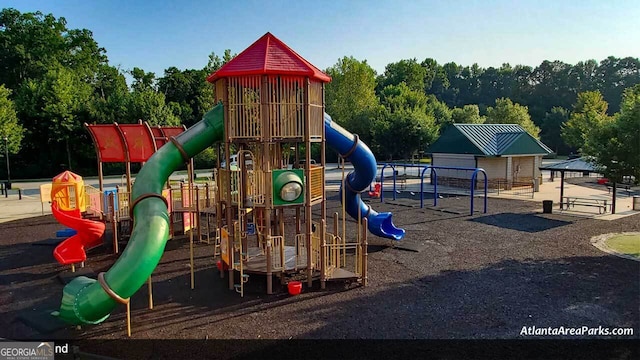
[{"x": 155, "y": 35}]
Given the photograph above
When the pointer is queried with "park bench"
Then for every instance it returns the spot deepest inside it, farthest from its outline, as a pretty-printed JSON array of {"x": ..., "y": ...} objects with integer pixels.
[
  {"x": 621, "y": 188},
  {"x": 572, "y": 201}
]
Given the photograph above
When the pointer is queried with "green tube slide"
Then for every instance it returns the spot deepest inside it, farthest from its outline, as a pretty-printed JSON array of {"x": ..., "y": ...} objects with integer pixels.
[{"x": 85, "y": 300}]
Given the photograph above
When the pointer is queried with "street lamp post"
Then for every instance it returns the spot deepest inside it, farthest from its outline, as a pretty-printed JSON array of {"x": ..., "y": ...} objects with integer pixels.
[
  {"x": 419, "y": 128},
  {"x": 6, "y": 155}
]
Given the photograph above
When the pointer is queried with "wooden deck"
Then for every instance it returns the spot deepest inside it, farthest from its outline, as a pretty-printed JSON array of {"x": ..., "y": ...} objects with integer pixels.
[{"x": 257, "y": 262}]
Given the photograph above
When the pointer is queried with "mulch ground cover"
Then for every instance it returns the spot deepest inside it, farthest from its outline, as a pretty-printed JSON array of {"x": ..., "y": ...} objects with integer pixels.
[{"x": 482, "y": 276}]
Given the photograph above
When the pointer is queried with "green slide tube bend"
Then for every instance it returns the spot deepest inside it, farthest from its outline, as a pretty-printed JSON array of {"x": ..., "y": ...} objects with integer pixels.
[{"x": 84, "y": 301}]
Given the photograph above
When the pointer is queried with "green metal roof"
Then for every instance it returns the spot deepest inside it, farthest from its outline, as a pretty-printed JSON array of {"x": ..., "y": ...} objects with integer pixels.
[{"x": 488, "y": 140}]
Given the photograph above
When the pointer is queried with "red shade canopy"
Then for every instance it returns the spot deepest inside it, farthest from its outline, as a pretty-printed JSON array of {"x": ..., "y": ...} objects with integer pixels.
[
  {"x": 108, "y": 142},
  {"x": 129, "y": 142},
  {"x": 269, "y": 55},
  {"x": 139, "y": 141}
]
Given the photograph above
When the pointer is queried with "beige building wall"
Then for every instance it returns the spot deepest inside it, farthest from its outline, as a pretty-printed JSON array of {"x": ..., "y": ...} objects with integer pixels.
[
  {"x": 495, "y": 167},
  {"x": 457, "y": 160},
  {"x": 523, "y": 168}
]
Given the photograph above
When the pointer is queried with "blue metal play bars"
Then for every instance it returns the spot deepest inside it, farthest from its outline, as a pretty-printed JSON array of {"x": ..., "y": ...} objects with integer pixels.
[{"x": 434, "y": 176}]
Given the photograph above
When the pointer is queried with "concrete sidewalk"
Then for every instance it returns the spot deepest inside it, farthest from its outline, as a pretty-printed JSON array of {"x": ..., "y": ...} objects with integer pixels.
[{"x": 11, "y": 208}]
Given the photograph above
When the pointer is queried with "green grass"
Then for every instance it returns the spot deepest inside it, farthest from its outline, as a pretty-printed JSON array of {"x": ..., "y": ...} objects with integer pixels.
[{"x": 626, "y": 244}]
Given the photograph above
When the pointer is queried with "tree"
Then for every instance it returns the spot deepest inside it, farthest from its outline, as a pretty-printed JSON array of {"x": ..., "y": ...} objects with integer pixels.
[
  {"x": 408, "y": 123},
  {"x": 110, "y": 96},
  {"x": 51, "y": 106},
  {"x": 30, "y": 43},
  {"x": 351, "y": 90},
  {"x": 506, "y": 112},
  {"x": 468, "y": 114},
  {"x": 408, "y": 71},
  {"x": 9, "y": 125},
  {"x": 552, "y": 128},
  {"x": 589, "y": 111},
  {"x": 149, "y": 105},
  {"x": 613, "y": 76},
  {"x": 400, "y": 133},
  {"x": 142, "y": 80},
  {"x": 614, "y": 144},
  {"x": 439, "y": 111}
]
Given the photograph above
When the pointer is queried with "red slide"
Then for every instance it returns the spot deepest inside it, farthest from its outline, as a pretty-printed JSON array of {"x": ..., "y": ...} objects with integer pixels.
[{"x": 89, "y": 234}]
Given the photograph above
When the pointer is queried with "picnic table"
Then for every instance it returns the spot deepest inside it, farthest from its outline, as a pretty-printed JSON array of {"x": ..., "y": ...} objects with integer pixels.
[{"x": 569, "y": 202}]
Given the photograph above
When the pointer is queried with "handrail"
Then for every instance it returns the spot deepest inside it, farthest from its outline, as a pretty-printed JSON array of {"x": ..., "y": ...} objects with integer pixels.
[
  {"x": 382, "y": 181},
  {"x": 473, "y": 182},
  {"x": 435, "y": 183},
  {"x": 435, "y": 186}
]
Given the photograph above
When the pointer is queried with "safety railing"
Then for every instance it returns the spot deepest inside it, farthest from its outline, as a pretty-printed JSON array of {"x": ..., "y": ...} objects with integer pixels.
[
  {"x": 277, "y": 253},
  {"x": 512, "y": 188},
  {"x": 93, "y": 199},
  {"x": 301, "y": 251}
]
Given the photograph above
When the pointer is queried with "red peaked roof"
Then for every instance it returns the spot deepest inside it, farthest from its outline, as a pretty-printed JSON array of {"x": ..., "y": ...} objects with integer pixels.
[
  {"x": 269, "y": 55},
  {"x": 67, "y": 177}
]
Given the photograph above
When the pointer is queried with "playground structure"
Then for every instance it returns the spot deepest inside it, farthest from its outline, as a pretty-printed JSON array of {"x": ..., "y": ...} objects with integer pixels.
[
  {"x": 270, "y": 102},
  {"x": 67, "y": 205},
  {"x": 108, "y": 208},
  {"x": 135, "y": 143},
  {"x": 433, "y": 173},
  {"x": 267, "y": 114}
]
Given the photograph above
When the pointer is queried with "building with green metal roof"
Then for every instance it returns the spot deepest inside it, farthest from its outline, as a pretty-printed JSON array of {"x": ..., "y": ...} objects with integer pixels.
[{"x": 505, "y": 151}]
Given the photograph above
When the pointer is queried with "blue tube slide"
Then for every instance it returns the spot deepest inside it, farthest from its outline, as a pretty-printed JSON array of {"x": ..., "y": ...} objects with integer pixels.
[{"x": 365, "y": 169}]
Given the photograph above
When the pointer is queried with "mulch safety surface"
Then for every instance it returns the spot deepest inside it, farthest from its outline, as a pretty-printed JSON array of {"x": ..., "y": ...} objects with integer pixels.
[{"x": 482, "y": 276}]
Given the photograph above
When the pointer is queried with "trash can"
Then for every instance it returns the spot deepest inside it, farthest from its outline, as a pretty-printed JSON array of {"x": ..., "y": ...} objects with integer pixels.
[
  {"x": 547, "y": 206},
  {"x": 636, "y": 202}
]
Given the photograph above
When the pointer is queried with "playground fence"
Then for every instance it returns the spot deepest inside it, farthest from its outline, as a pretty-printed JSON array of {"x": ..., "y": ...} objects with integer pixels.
[{"x": 494, "y": 186}]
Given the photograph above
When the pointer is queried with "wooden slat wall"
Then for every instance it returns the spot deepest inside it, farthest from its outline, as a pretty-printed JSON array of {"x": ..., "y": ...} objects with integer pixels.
[
  {"x": 316, "y": 114},
  {"x": 285, "y": 98},
  {"x": 244, "y": 107},
  {"x": 285, "y": 107},
  {"x": 315, "y": 182}
]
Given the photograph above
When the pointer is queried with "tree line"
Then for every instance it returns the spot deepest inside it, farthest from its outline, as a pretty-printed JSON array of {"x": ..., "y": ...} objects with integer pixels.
[{"x": 53, "y": 79}]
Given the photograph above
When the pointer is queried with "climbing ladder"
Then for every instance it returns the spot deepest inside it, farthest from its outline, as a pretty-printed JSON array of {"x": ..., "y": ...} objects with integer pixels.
[{"x": 240, "y": 228}]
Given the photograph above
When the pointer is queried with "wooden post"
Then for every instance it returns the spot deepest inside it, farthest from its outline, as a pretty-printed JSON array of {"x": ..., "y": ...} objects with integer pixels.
[
  {"x": 228, "y": 206},
  {"x": 114, "y": 221},
  {"x": 206, "y": 195},
  {"x": 128, "y": 171},
  {"x": 192, "y": 224},
  {"x": 307, "y": 172},
  {"x": 150, "y": 290},
  {"x": 344, "y": 208},
  {"x": 365, "y": 252},
  {"x": 267, "y": 170},
  {"x": 331, "y": 248},
  {"x": 323, "y": 245},
  {"x": 128, "y": 318},
  {"x": 267, "y": 215},
  {"x": 358, "y": 241},
  {"x": 561, "y": 188},
  {"x": 100, "y": 180},
  {"x": 197, "y": 214}
]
